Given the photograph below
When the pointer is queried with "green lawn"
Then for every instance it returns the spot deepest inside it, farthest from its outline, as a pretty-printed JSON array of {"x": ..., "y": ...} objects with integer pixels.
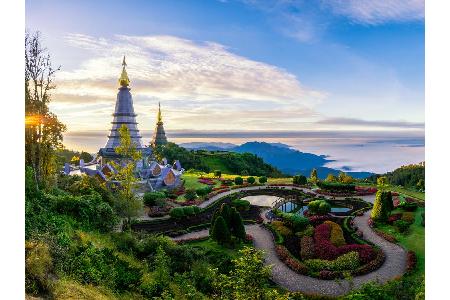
[
  {"x": 212, "y": 245},
  {"x": 401, "y": 190},
  {"x": 413, "y": 240}
]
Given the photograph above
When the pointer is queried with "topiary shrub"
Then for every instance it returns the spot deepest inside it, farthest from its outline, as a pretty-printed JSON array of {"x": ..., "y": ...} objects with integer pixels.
[
  {"x": 150, "y": 198},
  {"x": 382, "y": 206},
  {"x": 320, "y": 207},
  {"x": 177, "y": 212},
  {"x": 296, "y": 222},
  {"x": 337, "y": 235},
  {"x": 299, "y": 179},
  {"x": 238, "y": 180},
  {"x": 348, "y": 261},
  {"x": 251, "y": 180},
  {"x": 203, "y": 191},
  {"x": 188, "y": 211},
  {"x": 196, "y": 209},
  {"x": 262, "y": 179},
  {"x": 241, "y": 204},
  {"x": 220, "y": 231}
]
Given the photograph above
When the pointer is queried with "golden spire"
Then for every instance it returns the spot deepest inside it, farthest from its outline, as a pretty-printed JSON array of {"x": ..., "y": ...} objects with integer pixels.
[
  {"x": 124, "y": 81},
  {"x": 159, "y": 113}
]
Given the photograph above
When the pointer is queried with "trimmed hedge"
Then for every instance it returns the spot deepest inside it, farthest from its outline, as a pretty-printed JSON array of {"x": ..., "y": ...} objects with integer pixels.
[
  {"x": 241, "y": 204},
  {"x": 347, "y": 261},
  {"x": 336, "y": 187}
]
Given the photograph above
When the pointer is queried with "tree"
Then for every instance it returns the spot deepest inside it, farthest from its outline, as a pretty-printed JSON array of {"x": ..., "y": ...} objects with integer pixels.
[
  {"x": 247, "y": 280},
  {"x": 127, "y": 203},
  {"x": 382, "y": 182},
  {"x": 382, "y": 206},
  {"x": 251, "y": 180},
  {"x": 237, "y": 227},
  {"x": 218, "y": 173},
  {"x": 262, "y": 179},
  {"x": 313, "y": 177},
  {"x": 43, "y": 131},
  {"x": 220, "y": 231},
  {"x": 421, "y": 185},
  {"x": 238, "y": 180},
  {"x": 331, "y": 178}
]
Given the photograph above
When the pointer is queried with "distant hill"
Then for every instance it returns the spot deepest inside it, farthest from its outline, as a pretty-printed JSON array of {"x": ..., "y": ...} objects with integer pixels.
[
  {"x": 228, "y": 162},
  {"x": 284, "y": 158},
  {"x": 406, "y": 176},
  {"x": 208, "y": 146}
]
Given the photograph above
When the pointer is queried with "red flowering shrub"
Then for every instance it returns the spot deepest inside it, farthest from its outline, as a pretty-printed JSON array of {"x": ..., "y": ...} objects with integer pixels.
[
  {"x": 394, "y": 217},
  {"x": 372, "y": 265},
  {"x": 363, "y": 191},
  {"x": 411, "y": 261},
  {"x": 365, "y": 252},
  {"x": 317, "y": 219},
  {"x": 207, "y": 181},
  {"x": 395, "y": 194},
  {"x": 396, "y": 202},
  {"x": 323, "y": 247},
  {"x": 291, "y": 262}
]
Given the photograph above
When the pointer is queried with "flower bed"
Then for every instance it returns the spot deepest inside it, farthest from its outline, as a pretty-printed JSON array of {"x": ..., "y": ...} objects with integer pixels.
[
  {"x": 326, "y": 255},
  {"x": 364, "y": 191},
  {"x": 207, "y": 181}
]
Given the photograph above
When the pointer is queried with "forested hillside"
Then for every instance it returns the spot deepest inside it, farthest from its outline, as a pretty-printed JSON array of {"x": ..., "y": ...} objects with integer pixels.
[
  {"x": 227, "y": 162},
  {"x": 410, "y": 176}
]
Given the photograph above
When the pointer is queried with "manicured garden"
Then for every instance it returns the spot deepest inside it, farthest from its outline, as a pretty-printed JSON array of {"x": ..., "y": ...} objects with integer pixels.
[{"x": 319, "y": 246}]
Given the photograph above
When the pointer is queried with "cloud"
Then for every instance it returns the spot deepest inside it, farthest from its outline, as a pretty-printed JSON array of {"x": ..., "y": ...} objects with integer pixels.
[
  {"x": 366, "y": 123},
  {"x": 168, "y": 67},
  {"x": 377, "y": 12}
]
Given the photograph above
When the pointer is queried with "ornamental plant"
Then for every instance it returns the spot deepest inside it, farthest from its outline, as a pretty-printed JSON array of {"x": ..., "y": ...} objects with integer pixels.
[
  {"x": 220, "y": 231},
  {"x": 150, "y": 198},
  {"x": 320, "y": 207},
  {"x": 251, "y": 180},
  {"x": 382, "y": 206},
  {"x": 336, "y": 235},
  {"x": 190, "y": 194},
  {"x": 177, "y": 212},
  {"x": 401, "y": 225},
  {"x": 262, "y": 179},
  {"x": 348, "y": 261},
  {"x": 238, "y": 180}
]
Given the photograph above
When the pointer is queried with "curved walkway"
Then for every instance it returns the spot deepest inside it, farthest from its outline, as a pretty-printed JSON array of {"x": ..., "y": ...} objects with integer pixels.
[{"x": 395, "y": 264}]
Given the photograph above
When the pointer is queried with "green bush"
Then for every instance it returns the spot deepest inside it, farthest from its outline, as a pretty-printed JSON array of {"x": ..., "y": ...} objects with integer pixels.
[
  {"x": 238, "y": 180},
  {"x": 196, "y": 209},
  {"x": 251, "y": 180},
  {"x": 188, "y": 210},
  {"x": 300, "y": 180},
  {"x": 320, "y": 207},
  {"x": 348, "y": 261},
  {"x": 281, "y": 228},
  {"x": 408, "y": 217},
  {"x": 203, "y": 191},
  {"x": 190, "y": 195},
  {"x": 262, "y": 179},
  {"x": 295, "y": 221},
  {"x": 382, "y": 206},
  {"x": 336, "y": 187},
  {"x": 401, "y": 225},
  {"x": 241, "y": 204},
  {"x": 220, "y": 231},
  {"x": 150, "y": 198},
  {"x": 177, "y": 212},
  {"x": 218, "y": 173},
  {"x": 308, "y": 231},
  {"x": 337, "y": 235}
]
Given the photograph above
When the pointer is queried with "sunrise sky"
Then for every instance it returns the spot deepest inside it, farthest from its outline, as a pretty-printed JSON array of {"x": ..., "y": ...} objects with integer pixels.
[{"x": 267, "y": 66}]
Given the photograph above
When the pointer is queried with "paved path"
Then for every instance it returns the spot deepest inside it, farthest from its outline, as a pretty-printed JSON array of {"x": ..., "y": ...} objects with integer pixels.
[{"x": 395, "y": 264}]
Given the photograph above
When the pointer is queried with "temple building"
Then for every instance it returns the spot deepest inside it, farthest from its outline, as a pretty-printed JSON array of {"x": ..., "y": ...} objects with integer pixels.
[
  {"x": 159, "y": 136},
  {"x": 154, "y": 174},
  {"x": 123, "y": 115}
]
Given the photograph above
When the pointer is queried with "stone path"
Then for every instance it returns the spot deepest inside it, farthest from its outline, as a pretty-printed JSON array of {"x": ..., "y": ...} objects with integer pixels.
[{"x": 395, "y": 264}]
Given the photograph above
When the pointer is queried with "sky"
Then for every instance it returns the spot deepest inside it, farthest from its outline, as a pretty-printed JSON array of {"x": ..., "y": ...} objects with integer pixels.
[{"x": 264, "y": 67}]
